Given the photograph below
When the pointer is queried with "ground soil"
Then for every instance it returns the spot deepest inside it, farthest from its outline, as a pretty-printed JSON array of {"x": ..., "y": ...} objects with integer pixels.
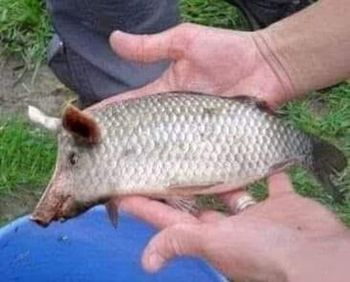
[{"x": 20, "y": 88}]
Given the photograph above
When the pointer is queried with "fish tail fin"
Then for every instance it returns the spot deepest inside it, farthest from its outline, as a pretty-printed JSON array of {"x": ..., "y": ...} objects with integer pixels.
[{"x": 327, "y": 161}]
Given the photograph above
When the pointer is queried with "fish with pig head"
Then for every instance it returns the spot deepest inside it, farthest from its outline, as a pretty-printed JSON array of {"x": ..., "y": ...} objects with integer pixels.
[{"x": 173, "y": 146}]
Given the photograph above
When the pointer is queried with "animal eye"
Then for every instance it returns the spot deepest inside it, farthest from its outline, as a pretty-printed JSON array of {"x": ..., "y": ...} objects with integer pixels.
[{"x": 73, "y": 158}]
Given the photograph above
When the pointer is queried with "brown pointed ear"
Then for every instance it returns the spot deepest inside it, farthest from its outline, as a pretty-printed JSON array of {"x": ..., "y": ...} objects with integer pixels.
[{"x": 83, "y": 127}]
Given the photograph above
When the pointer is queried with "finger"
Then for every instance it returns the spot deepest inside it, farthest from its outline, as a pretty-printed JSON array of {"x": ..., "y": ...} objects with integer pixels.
[
  {"x": 178, "y": 240},
  {"x": 158, "y": 214},
  {"x": 231, "y": 199},
  {"x": 279, "y": 184},
  {"x": 210, "y": 216},
  {"x": 170, "y": 44}
]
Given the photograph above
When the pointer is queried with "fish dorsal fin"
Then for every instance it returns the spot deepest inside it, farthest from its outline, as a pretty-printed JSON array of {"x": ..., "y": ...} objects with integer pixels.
[
  {"x": 83, "y": 128},
  {"x": 260, "y": 104}
]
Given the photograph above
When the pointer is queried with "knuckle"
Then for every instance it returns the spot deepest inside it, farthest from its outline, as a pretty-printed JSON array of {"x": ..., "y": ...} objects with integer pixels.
[
  {"x": 187, "y": 239},
  {"x": 141, "y": 47},
  {"x": 181, "y": 40},
  {"x": 178, "y": 45}
]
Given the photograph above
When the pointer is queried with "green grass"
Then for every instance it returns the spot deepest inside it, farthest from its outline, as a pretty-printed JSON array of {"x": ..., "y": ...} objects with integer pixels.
[
  {"x": 27, "y": 155},
  {"x": 24, "y": 29},
  {"x": 329, "y": 119},
  {"x": 212, "y": 12}
]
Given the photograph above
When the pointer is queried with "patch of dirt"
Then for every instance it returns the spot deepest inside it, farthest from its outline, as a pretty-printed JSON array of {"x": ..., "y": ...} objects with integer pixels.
[
  {"x": 18, "y": 89},
  {"x": 318, "y": 105},
  {"x": 17, "y": 204}
]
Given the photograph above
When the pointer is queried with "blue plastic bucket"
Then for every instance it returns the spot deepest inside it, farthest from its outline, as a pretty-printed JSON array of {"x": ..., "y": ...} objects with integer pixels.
[{"x": 88, "y": 248}]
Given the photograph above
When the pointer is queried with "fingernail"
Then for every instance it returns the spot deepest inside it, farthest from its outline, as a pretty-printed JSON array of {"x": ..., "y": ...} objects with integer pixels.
[
  {"x": 114, "y": 34},
  {"x": 154, "y": 262},
  {"x": 119, "y": 33}
]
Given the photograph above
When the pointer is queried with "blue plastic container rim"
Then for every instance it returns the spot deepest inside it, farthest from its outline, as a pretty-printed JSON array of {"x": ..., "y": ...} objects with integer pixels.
[{"x": 89, "y": 248}]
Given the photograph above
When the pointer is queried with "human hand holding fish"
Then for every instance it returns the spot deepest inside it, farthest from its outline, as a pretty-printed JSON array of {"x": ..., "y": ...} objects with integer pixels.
[
  {"x": 205, "y": 60},
  {"x": 284, "y": 238}
]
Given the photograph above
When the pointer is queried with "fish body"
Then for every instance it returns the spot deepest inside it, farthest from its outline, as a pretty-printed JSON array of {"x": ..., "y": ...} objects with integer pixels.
[
  {"x": 174, "y": 144},
  {"x": 164, "y": 142}
]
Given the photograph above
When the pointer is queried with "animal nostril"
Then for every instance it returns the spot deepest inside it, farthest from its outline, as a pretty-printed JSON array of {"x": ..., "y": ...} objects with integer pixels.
[
  {"x": 73, "y": 158},
  {"x": 39, "y": 221}
]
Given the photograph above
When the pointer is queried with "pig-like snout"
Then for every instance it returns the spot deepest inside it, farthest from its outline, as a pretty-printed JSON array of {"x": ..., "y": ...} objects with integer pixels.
[
  {"x": 56, "y": 206},
  {"x": 48, "y": 207}
]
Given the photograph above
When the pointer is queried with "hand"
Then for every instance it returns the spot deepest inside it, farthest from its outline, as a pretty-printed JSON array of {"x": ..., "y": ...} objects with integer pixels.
[
  {"x": 284, "y": 237},
  {"x": 209, "y": 60}
]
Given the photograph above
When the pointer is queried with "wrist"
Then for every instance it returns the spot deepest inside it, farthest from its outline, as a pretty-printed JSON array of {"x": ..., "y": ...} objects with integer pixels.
[
  {"x": 307, "y": 52},
  {"x": 268, "y": 51}
]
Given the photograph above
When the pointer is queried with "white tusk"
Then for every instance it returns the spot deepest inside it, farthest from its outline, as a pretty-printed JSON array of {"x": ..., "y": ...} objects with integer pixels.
[{"x": 37, "y": 116}]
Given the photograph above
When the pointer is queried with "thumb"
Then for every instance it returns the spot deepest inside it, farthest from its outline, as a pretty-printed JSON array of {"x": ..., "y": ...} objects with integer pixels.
[
  {"x": 170, "y": 44},
  {"x": 177, "y": 240},
  {"x": 279, "y": 184}
]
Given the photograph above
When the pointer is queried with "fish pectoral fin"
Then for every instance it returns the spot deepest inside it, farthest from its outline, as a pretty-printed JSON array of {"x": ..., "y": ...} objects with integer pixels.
[
  {"x": 186, "y": 204},
  {"x": 183, "y": 189},
  {"x": 112, "y": 211}
]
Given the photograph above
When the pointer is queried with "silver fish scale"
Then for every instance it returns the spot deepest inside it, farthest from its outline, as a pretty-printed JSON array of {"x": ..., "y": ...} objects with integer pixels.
[{"x": 159, "y": 143}]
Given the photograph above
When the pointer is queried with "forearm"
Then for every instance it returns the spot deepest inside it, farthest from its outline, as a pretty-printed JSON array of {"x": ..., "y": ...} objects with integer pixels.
[{"x": 310, "y": 50}]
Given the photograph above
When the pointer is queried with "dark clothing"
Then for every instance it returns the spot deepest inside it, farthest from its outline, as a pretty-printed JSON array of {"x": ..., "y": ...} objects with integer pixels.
[
  {"x": 80, "y": 55},
  {"x": 262, "y": 13}
]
